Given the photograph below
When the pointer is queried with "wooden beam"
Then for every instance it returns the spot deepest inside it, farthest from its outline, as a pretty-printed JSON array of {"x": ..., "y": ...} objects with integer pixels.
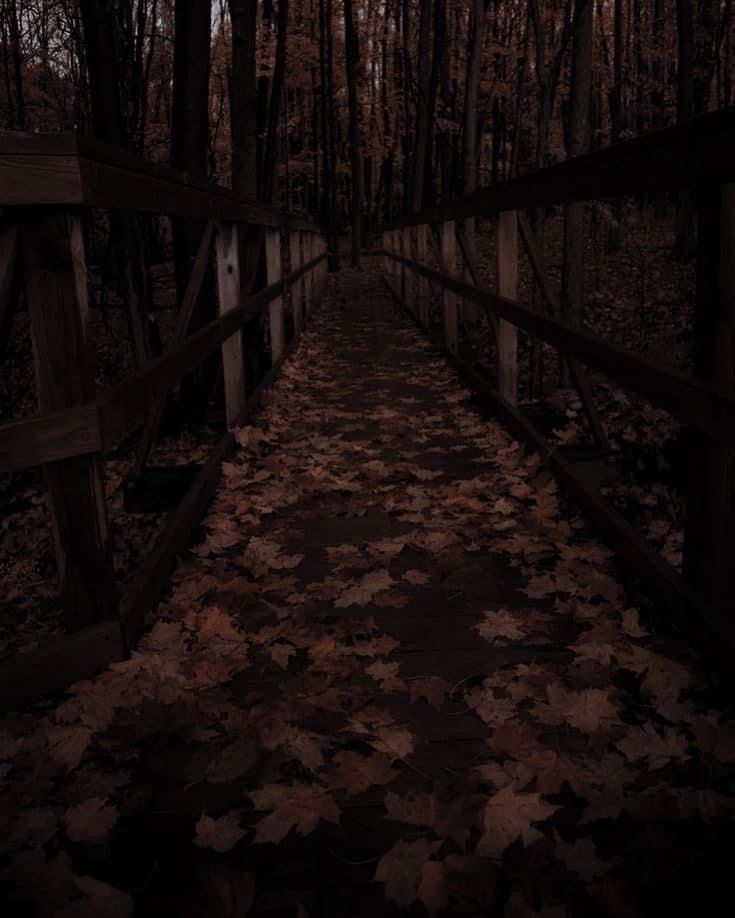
[
  {"x": 702, "y": 405},
  {"x": 58, "y": 663},
  {"x": 422, "y": 286},
  {"x": 580, "y": 379},
  {"x": 507, "y": 334},
  {"x": 57, "y": 303},
  {"x": 123, "y": 407},
  {"x": 275, "y": 307},
  {"x": 50, "y": 438},
  {"x": 700, "y": 152},
  {"x": 449, "y": 261},
  {"x": 294, "y": 242},
  {"x": 409, "y": 280},
  {"x": 634, "y": 552},
  {"x": 183, "y": 317},
  {"x": 228, "y": 298},
  {"x": 8, "y": 259},
  {"x": 152, "y": 578}
]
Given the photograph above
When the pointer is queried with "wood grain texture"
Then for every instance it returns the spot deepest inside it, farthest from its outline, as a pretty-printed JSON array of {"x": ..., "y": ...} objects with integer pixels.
[
  {"x": 49, "y": 438},
  {"x": 275, "y": 307}
]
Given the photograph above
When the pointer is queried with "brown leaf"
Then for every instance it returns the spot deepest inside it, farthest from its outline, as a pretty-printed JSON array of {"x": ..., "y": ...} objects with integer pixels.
[
  {"x": 507, "y": 817},
  {"x": 221, "y": 834},
  {"x": 400, "y": 869},
  {"x": 433, "y": 688},
  {"x": 90, "y": 821},
  {"x": 433, "y": 891},
  {"x": 105, "y": 901},
  {"x": 297, "y": 806},
  {"x": 356, "y": 773}
]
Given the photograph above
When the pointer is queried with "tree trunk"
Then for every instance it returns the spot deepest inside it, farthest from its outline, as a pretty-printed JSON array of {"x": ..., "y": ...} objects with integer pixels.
[
  {"x": 685, "y": 244},
  {"x": 423, "y": 115},
  {"x": 352, "y": 63},
  {"x": 578, "y": 140},
  {"x": 270, "y": 148}
]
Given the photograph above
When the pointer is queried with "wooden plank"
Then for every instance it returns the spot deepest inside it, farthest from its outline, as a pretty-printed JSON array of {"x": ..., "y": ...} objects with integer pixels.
[
  {"x": 449, "y": 262},
  {"x": 709, "y": 537},
  {"x": 665, "y": 584},
  {"x": 507, "y": 333},
  {"x": 685, "y": 156},
  {"x": 123, "y": 408},
  {"x": 275, "y": 307},
  {"x": 56, "y": 297},
  {"x": 153, "y": 576},
  {"x": 60, "y": 662},
  {"x": 228, "y": 298},
  {"x": 50, "y": 438},
  {"x": 409, "y": 281},
  {"x": 183, "y": 317},
  {"x": 294, "y": 244},
  {"x": 699, "y": 404},
  {"x": 423, "y": 284},
  {"x": 32, "y": 180},
  {"x": 8, "y": 260}
]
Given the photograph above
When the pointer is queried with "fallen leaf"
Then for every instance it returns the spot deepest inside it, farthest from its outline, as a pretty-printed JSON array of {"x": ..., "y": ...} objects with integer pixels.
[
  {"x": 221, "y": 834},
  {"x": 91, "y": 821},
  {"x": 400, "y": 869},
  {"x": 297, "y": 806},
  {"x": 507, "y": 817}
]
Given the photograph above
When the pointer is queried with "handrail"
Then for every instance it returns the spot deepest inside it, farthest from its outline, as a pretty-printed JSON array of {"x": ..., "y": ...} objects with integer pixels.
[
  {"x": 70, "y": 170},
  {"x": 696, "y": 403},
  {"x": 119, "y": 410},
  {"x": 700, "y": 152}
]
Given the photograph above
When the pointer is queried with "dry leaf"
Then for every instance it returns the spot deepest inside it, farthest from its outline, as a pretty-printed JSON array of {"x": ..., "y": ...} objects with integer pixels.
[
  {"x": 297, "y": 806},
  {"x": 507, "y": 817},
  {"x": 400, "y": 869},
  {"x": 221, "y": 834}
]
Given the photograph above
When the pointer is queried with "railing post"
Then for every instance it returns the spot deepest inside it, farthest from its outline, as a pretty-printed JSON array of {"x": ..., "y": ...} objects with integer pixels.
[
  {"x": 294, "y": 244},
  {"x": 409, "y": 282},
  {"x": 56, "y": 294},
  {"x": 394, "y": 247},
  {"x": 422, "y": 285},
  {"x": 507, "y": 335},
  {"x": 275, "y": 307},
  {"x": 449, "y": 261},
  {"x": 227, "y": 255},
  {"x": 709, "y": 536}
]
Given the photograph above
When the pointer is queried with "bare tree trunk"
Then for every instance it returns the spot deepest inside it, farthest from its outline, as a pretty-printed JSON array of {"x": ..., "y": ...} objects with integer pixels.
[
  {"x": 578, "y": 141},
  {"x": 270, "y": 148},
  {"x": 685, "y": 244},
  {"x": 243, "y": 93},
  {"x": 423, "y": 114},
  {"x": 352, "y": 63}
]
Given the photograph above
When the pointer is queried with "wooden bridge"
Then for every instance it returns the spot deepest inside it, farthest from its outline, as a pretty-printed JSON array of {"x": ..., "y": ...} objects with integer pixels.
[{"x": 399, "y": 651}]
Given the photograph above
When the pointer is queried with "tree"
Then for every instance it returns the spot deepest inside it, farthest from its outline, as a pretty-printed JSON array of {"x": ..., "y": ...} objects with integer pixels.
[{"x": 352, "y": 65}]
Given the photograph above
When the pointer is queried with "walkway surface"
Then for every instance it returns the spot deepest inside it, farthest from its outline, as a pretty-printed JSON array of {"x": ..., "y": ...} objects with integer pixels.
[{"x": 397, "y": 672}]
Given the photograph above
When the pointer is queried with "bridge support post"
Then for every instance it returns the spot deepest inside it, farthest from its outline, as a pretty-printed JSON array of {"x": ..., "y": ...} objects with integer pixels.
[
  {"x": 56, "y": 294},
  {"x": 275, "y": 307},
  {"x": 709, "y": 538},
  {"x": 294, "y": 245},
  {"x": 228, "y": 294},
  {"x": 422, "y": 288},
  {"x": 449, "y": 260},
  {"x": 409, "y": 278},
  {"x": 507, "y": 334}
]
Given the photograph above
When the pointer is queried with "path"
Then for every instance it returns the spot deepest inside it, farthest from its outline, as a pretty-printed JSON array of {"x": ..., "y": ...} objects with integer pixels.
[{"x": 395, "y": 641}]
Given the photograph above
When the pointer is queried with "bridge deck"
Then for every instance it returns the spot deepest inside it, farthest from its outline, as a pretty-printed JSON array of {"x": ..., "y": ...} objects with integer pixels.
[{"x": 393, "y": 623}]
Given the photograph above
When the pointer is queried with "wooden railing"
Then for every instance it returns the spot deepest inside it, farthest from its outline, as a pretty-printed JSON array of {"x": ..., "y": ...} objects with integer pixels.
[
  {"x": 46, "y": 182},
  {"x": 699, "y": 156}
]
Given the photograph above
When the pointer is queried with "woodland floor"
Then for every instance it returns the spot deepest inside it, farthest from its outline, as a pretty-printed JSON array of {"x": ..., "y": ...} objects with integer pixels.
[{"x": 396, "y": 673}]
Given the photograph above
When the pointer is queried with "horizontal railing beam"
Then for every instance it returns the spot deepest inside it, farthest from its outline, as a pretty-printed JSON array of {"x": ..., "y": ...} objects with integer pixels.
[
  {"x": 99, "y": 427},
  {"x": 692, "y": 402},
  {"x": 66, "y": 170},
  {"x": 699, "y": 153}
]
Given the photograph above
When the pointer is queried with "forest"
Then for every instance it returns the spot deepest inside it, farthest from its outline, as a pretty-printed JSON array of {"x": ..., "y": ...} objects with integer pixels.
[{"x": 367, "y": 458}]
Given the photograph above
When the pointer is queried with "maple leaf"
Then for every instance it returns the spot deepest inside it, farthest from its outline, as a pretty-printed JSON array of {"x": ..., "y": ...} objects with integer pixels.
[
  {"x": 67, "y": 745},
  {"x": 491, "y": 710},
  {"x": 507, "y": 817},
  {"x": 387, "y": 675},
  {"x": 395, "y": 742},
  {"x": 91, "y": 821},
  {"x": 297, "y": 806},
  {"x": 631, "y": 625},
  {"x": 646, "y": 743},
  {"x": 433, "y": 889},
  {"x": 362, "y": 593},
  {"x": 585, "y": 710},
  {"x": 581, "y": 857},
  {"x": 452, "y": 818},
  {"x": 416, "y": 578},
  {"x": 500, "y": 626},
  {"x": 400, "y": 869},
  {"x": 105, "y": 901},
  {"x": 221, "y": 834},
  {"x": 433, "y": 688},
  {"x": 356, "y": 773},
  {"x": 236, "y": 759}
]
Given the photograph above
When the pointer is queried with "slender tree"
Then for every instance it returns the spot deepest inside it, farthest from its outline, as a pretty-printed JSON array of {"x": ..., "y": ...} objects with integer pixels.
[{"x": 352, "y": 65}]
